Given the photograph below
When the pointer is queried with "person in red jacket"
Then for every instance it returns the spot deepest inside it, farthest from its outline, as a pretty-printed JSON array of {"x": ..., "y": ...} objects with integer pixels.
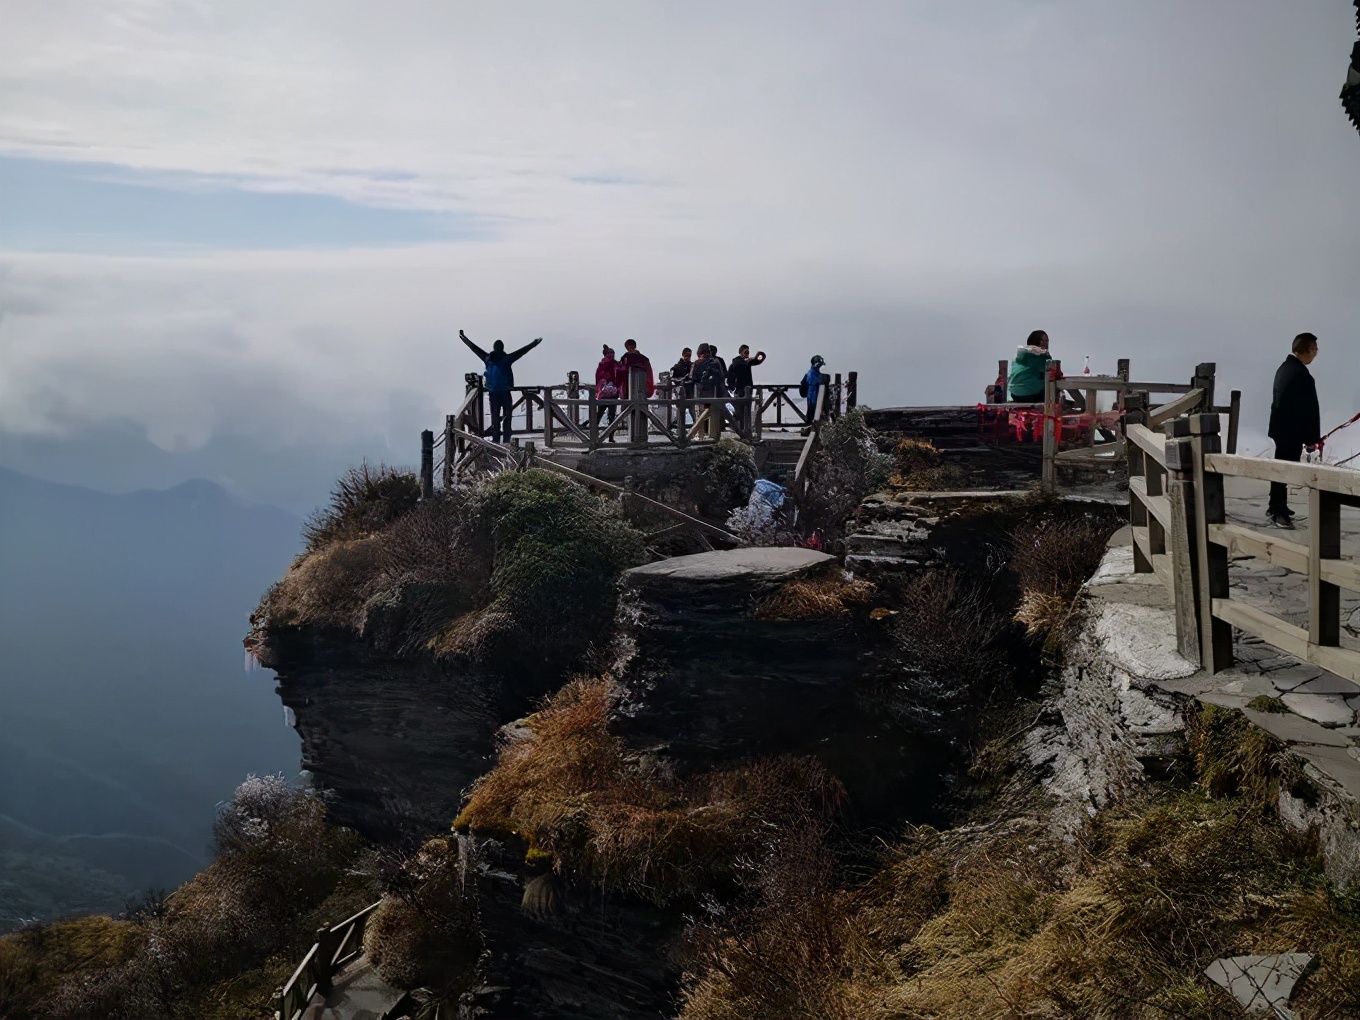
[
  {"x": 609, "y": 375},
  {"x": 633, "y": 358}
]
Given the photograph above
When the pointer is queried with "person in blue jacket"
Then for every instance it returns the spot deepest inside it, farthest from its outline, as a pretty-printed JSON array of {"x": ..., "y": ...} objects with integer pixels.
[
  {"x": 813, "y": 381},
  {"x": 500, "y": 380}
]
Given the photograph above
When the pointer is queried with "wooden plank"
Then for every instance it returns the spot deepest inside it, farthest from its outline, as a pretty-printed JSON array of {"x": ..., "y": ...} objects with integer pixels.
[
  {"x": 1151, "y": 443},
  {"x": 1324, "y": 545},
  {"x": 1316, "y": 476},
  {"x": 1342, "y": 573},
  {"x": 1174, "y": 408},
  {"x": 1180, "y": 496},
  {"x": 1243, "y": 541},
  {"x": 1161, "y": 566},
  {"x": 1344, "y": 662},
  {"x": 1158, "y": 506},
  {"x": 1211, "y": 561}
]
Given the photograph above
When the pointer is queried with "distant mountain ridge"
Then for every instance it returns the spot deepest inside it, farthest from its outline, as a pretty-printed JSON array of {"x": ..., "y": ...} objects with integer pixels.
[{"x": 126, "y": 712}]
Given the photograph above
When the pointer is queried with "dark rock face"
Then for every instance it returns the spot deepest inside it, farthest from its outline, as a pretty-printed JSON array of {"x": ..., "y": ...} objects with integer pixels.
[
  {"x": 396, "y": 741},
  {"x": 712, "y": 685},
  {"x": 590, "y": 956}
]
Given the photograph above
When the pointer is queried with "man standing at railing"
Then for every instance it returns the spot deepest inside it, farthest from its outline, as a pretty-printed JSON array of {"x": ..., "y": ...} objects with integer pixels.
[
  {"x": 812, "y": 382},
  {"x": 1295, "y": 419},
  {"x": 683, "y": 382},
  {"x": 500, "y": 380}
]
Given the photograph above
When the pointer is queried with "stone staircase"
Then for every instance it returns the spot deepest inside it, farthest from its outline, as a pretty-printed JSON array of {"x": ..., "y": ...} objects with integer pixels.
[{"x": 781, "y": 457}]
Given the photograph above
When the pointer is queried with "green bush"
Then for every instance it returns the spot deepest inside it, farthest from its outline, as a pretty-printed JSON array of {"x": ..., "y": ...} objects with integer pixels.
[{"x": 517, "y": 570}]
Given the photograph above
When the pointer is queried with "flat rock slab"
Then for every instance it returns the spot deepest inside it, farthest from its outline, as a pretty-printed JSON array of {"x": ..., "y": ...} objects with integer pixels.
[
  {"x": 760, "y": 563},
  {"x": 1141, "y": 640},
  {"x": 1324, "y": 709},
  {"x": 1262, "y": 984}
]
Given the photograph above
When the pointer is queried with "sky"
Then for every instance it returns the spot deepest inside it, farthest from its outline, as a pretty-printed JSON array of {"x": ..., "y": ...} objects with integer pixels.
[{"x": 237, "y": 241}]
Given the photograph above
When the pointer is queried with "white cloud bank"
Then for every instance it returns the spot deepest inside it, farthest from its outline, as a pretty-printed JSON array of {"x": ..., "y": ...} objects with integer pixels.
[{"x": 906, "y": 188}]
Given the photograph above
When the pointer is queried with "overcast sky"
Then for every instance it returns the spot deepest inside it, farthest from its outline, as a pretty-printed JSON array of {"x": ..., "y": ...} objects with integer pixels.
[{"x": 238, "y": 240}]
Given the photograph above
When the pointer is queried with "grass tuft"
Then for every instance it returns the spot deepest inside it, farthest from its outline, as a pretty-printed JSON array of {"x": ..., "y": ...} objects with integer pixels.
[{"x": 573, "y": 790}]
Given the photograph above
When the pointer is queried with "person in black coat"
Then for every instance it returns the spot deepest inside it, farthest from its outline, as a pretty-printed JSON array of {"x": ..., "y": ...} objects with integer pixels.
[{"x": 1295, "y": 419}]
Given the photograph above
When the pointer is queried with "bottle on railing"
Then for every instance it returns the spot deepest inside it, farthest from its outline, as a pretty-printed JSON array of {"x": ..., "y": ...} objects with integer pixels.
[{"x": 1087, "y": 369}]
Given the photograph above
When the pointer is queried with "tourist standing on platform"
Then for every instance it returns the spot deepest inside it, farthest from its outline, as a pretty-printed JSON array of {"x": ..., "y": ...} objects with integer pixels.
[
  {"x": 739, "y": 380},
  {"x": 608, "y": 376},
  {"x": 682, "y": 385},
  {"x": 500, "y": 380},
  {"x": 813, "y": 381},
  {"x": 709, "y": 380},
  {"x": 635, "y": 359},
  {"x": 1295, "y": 419},
  {"x": 1029, "y": 369},
  {"x": 739, "y": 372}
]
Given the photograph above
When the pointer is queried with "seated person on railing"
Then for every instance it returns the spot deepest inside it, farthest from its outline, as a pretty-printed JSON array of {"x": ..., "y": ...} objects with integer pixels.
[
  {"x": 1295, "y": 419},
  {"x": 1029, "y": 369},
  {"x": 500, "y": 380},
  {"x": 813, "y": 380}
]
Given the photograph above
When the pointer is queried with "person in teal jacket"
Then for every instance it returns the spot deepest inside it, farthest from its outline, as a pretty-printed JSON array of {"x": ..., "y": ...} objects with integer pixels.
[{"x": 1029, "y": 368}]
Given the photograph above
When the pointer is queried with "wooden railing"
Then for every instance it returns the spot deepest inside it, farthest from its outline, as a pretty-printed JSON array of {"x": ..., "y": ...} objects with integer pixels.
[
  {"x": 572, "y": 415},
  {"x": 1178, "y": 518},
  {"x": 1105, "y": 434},
  {"x": 334, "y": 947}
]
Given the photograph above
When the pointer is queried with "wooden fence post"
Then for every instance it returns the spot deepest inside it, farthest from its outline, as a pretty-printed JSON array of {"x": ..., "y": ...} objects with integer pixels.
[
  {"x": 851, "y": 392},
  {"x": 1234, "y": 413},
  {"x": 1215, "y": 642},
  {"x": 452, "y": 448},
  {"x": 1049, "y": 473},
  {"x": 573, "y": 396},
  {"x": 836, "y": 404},
  {"x": 478, "y": 422},
  {"x": 1204, "y": 380},
  {"x": 1324, "y": 543},
  {"x": 637, "y": 396},
  {"x": 427, "y": 464},
  {"x": 593, "y": 420},
  {"x": 1180, "y": 493},
  {"x": 548, "y": 423}
]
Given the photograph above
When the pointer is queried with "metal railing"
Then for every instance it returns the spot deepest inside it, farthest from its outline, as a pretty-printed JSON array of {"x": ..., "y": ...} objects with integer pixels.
[{"x": 1178, "y": 517}]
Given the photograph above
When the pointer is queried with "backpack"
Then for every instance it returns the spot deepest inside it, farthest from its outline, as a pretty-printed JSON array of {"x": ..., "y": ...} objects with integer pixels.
[
  {"x": 709, "y": 376},
  {"x": 803, "y": 387}
]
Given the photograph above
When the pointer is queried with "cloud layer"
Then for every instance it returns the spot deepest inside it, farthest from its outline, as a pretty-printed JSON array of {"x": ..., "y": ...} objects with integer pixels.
[{"x": 906, "y": 189}]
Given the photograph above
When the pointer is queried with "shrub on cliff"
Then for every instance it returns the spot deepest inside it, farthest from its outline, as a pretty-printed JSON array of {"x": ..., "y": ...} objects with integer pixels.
[
  {"x": 845, "y": 467},
  {"x": 229, "y": 935},
  {"x": 519, "y": 568},
  {"x": 364, "y": 501},
  {"x": 574, "y": 791},
  {"x": 425, "y": 933}
]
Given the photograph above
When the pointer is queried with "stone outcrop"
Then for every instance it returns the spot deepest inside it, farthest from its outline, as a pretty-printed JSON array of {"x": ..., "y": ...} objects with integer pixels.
[
  {"x": 710, "y": 683},
  {"x": 394, "y": 742}
]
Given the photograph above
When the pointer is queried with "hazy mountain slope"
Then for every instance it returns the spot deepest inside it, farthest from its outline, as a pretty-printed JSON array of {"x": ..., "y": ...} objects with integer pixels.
[{"x": 125, "y": 713}]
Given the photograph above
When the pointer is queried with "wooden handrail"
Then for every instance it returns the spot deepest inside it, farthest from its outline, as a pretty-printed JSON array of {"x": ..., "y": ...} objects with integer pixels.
[
  {"x": 1342, "y": 481},
  {"x": 326, "y": 956},
  {"x": 1151, "y": 443}
]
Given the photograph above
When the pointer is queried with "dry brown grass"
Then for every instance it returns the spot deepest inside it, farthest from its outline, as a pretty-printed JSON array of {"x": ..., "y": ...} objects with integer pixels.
[
  {"x": 1005, "y": 923},
  {"x": 1052, "y": 560},
  {"x": 819, "y": 599},
  {"x": 574, "y": 790},
  {"x": 919, "y": 467},
  {"x": 425, "y": 933}
]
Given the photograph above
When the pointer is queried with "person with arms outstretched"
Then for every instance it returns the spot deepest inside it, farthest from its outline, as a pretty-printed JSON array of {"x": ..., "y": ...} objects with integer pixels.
[{"x": 500, "y": 380}]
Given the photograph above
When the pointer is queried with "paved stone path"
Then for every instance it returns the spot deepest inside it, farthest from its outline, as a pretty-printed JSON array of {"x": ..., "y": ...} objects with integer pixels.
[
  {"x": 1315, "y": 711},
  {"x": 357, "y": 993}
]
